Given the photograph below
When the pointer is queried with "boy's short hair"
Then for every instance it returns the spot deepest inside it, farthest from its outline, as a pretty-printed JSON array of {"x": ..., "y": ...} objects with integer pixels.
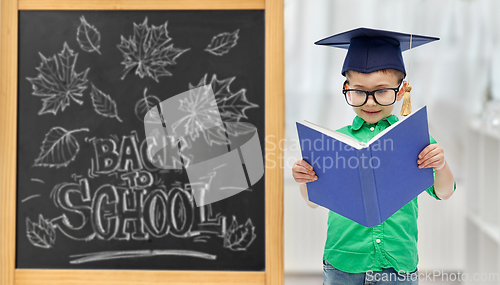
[{"x": 400, "y": 74}]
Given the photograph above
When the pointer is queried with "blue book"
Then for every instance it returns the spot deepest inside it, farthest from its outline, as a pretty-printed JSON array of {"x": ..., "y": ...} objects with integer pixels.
[{"x": 367, "y": 182}]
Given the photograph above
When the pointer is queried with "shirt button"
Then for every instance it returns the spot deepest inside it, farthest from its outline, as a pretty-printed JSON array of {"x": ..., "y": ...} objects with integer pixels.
[
  {"x": 378, "y": 240},
  {"x": 372, "y": 129}
]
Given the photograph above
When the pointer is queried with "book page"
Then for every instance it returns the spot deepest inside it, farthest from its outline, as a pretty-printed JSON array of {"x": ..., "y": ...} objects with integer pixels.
[
  {"x": 334, "y": 134},
  {"x": 382, "y": 133}
]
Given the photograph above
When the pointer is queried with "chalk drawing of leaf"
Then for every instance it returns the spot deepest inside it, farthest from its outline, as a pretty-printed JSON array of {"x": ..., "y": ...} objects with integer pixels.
[
  {"x": 103, "y": 104},
  {"x": 144, "y": 105},
  {"x": 88, "y": 36},
  {"x": 147, "y": 51},
  {"x": 58, "y": 82},
  {"x": 58, "y": 148},
  {"x": 222, "y": 43},
  {"x": 231, "y": 108},
  {"x": 42, "y": 234},
  {"x": 239, "y": 237},
  {"x": 201, "y": 113}
]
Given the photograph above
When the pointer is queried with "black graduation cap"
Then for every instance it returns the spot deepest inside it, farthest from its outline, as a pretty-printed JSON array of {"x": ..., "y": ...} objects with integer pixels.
[{"x": 370, "y": 50}]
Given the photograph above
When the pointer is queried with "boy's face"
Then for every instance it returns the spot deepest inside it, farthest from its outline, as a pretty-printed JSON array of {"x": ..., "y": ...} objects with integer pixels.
[{"x": 372, "y": 112}]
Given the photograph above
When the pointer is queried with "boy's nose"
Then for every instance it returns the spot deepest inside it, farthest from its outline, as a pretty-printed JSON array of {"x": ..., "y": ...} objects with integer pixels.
[{"x": 370, "y": 101}]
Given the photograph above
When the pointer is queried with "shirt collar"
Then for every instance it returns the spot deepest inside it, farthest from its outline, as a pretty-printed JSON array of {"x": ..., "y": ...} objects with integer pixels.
[{"x": 357, "y": 123}]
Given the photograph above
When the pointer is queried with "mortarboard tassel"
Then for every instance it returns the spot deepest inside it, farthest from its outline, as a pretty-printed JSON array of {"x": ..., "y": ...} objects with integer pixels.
[{"x": 406, "y": 108}]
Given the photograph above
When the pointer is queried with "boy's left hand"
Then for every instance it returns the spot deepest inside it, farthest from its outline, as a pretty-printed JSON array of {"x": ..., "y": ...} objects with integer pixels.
[{"x": 431, "y": 156}]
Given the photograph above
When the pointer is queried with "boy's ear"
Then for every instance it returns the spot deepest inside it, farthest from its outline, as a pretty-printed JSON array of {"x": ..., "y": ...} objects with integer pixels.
[{"x": 401, "y": 92}]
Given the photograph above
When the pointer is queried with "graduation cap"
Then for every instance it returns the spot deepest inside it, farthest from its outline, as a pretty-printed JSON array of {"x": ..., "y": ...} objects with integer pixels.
[{"x": 370, "y": 50}]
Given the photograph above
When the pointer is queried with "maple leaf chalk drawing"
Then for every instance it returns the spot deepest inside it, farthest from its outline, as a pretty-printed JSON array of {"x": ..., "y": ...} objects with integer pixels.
[
  {"x": 201, "y": 116},
  {"x": 147, "y": 51},
  {"x": 103, "y": 104},
  {"x": 42, "y": 234},
  {"x": 58, "y": 148},
  {"x": 239, "y": 237},
  {"x": 88, "y": 37},
  {"x": 58, "y": 82},
  {"x": 222, "y": 43},
  {"x": 212, "y": 151}
]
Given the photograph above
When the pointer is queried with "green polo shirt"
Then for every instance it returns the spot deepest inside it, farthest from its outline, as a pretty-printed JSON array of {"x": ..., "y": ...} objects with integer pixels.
[{"x": 354, "y": 248}]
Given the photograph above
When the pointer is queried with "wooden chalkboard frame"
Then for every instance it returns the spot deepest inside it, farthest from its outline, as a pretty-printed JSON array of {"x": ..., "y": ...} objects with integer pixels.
[{"x": 274, "y": 124}]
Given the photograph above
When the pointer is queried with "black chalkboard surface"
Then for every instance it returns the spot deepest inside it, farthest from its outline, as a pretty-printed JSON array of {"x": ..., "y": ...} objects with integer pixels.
[{"x": 86, "y": 80}]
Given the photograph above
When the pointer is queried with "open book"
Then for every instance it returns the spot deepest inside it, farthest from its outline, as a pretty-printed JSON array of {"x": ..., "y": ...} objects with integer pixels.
[{"x": 367, "y": 182}]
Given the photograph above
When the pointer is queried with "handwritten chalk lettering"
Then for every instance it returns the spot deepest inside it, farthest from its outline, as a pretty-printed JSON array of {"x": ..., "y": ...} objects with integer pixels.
[
  {"x": 108, "y": 160},
  {"x": 132, "y": 156},
  {"x": 104, "y": 219},
  {"x": 76, "y": 201},
  {"x": 139, "y": 206},
  {"x": 181, "y": 203},
  {"x": 130, "y": 214},
  {"x": 118, "y": 213},
  {"x": 156, "y": 219},
  {"x": 138, "y": 179},
  {"x": 147, "y": 160},
  {"x": 106, "y": 155}
]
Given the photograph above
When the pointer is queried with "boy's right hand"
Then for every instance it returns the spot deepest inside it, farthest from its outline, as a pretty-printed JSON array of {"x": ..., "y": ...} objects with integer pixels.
[{"x": 303, "y": 172}]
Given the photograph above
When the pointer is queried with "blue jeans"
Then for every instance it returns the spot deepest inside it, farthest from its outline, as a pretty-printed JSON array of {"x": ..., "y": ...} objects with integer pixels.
[{"x": 388, "y": 276}]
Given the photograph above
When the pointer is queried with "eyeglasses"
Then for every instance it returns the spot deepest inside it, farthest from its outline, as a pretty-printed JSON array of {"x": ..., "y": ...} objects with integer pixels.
[{"x": 383, "y": 97}]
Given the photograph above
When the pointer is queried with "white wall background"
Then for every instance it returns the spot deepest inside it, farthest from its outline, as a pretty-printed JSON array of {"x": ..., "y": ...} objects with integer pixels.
[{"x": 450, "y": 76}]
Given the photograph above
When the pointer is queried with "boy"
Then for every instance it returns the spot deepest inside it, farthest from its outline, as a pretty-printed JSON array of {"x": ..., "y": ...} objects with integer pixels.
[{"x": 387, "y": 253}]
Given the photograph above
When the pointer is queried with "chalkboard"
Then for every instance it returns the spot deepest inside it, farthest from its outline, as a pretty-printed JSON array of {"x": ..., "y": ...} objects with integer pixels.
[{"x": 86, "y": 80}]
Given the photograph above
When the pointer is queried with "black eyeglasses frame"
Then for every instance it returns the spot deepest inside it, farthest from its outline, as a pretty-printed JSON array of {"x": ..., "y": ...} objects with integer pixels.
[{"x": 368, "y": 93}]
